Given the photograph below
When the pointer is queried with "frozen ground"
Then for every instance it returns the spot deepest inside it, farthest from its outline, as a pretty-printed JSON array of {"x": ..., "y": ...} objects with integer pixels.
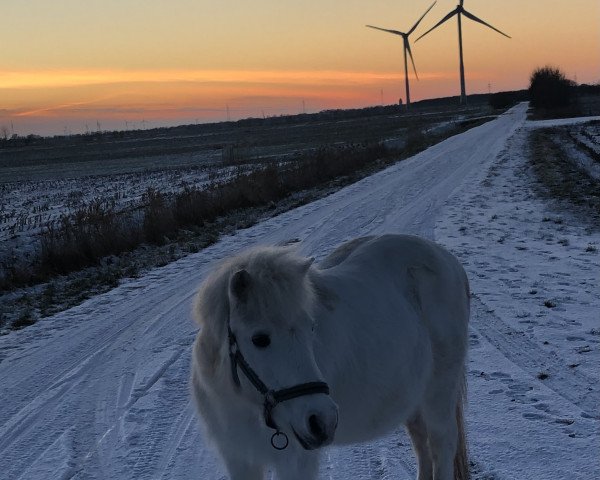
[
  {"x": 582, "y": 145},
  {"x": 536, "y": 328},
  {"x": 28, "y": 207},
  {"x": 101, "y": 391}
]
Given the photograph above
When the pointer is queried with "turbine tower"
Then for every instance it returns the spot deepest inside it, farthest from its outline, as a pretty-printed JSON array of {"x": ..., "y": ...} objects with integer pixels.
[
  {"x": 407, "y": 49},
  {"x": 459, "y": 11}
]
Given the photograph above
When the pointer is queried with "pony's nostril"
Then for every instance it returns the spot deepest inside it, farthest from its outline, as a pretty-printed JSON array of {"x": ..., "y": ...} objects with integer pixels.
[{"x": 317, "y": 427}]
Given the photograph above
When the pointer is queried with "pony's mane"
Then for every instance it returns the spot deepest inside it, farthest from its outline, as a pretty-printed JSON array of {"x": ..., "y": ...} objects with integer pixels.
[{"x": 279, "y": 278}]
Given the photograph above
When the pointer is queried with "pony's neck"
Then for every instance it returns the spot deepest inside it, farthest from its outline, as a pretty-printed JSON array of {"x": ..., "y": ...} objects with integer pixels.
[{"x": 324, "y": 297}]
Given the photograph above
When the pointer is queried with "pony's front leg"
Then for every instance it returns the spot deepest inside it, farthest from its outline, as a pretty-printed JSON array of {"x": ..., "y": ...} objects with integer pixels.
[
  {"x": 303, "y": 466},
  {"x": 443, "y": 443},
  {"x": 418, "y": 434},
  {"x": 239, "y": 469}
]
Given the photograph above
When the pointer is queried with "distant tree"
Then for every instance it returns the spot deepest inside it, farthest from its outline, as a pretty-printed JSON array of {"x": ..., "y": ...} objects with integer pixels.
[
  {"x": 4, "y": 132},
  {"x": 549, "y": 88}
]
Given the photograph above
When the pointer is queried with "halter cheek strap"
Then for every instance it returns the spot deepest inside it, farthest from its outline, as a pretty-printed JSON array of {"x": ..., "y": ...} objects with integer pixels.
[{"x": 279, "y": 439}]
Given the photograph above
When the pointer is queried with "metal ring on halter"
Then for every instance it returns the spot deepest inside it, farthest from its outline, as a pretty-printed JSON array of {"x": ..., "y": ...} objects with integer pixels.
[{"x": 282, "y": 437}]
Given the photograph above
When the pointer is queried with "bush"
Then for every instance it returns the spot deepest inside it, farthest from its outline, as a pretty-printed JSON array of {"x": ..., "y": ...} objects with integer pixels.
[{"x": 549, "y": 88}]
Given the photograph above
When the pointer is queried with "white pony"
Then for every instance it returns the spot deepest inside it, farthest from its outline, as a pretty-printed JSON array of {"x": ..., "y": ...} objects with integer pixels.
[{"x": 291, "y": 357}]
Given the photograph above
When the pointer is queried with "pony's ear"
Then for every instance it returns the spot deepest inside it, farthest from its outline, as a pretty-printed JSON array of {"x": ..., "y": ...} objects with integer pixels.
[
  {"x": 239, "y": 284},
  {"x": 305, "y": 265}
]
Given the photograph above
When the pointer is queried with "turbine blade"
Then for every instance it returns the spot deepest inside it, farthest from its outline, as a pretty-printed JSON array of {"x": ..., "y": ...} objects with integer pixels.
[
  {"x": 407, "y": 46},
  {"x": 419, "y": 20},
  {"x": 395, "y": 32},
  {"x": 445, "y": 19},
  {"x": 479, "y": 20}
]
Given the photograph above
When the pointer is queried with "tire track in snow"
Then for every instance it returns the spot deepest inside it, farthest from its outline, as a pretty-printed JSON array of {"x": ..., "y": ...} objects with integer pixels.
[
  {"x": 45, "y": 404},
  {"x": 498, "y": 231},
  {"x": 522, "y": 351},
  {"x": 518, "y": 426},
  {"x": 185, "y": 421}
]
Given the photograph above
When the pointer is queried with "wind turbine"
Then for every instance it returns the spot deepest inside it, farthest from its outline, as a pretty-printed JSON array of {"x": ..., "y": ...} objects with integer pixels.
[
  {"x": 407, "y": 49},
  {"x": 459, "y": 11}
]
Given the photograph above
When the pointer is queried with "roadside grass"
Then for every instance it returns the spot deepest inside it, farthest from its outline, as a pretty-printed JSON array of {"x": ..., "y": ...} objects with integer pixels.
[
  {"x": 90, "y": 251},
  {"x": 560, "y": 178},
  {"x": 96, "y": 231},
  {"x": 581, "y": 106},
  {"x": 554, "y": 113}
]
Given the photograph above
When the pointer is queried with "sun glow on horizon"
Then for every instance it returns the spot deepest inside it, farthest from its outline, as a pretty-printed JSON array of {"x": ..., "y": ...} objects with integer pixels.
[
  {"x": 69, "y": 78},
  {"x": 188, "y": 94}
]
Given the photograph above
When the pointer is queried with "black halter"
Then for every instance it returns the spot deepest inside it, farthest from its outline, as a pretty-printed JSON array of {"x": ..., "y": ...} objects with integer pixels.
[{"x": 272, "y": 397}]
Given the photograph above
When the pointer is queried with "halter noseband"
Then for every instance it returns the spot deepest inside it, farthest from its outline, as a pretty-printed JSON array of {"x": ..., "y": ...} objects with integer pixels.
[{"x": 272, "y": 397}]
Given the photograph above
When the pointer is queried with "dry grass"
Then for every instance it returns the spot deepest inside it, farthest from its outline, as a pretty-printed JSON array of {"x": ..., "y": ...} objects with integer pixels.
[
  {"x": 560, "y": 178},
  {"x": 96, "y": 231}
]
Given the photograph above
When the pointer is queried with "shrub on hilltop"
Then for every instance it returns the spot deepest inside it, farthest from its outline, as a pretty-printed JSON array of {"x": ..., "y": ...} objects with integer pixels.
[{"x": 549, "y": 88}]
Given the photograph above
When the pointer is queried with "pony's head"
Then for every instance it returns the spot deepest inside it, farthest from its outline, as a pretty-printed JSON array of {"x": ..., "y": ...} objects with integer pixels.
[{"x": 264, "y": 327}]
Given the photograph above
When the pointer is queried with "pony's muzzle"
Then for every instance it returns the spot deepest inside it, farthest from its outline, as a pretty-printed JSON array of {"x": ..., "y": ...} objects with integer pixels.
[{"x": 319, "y": 429}]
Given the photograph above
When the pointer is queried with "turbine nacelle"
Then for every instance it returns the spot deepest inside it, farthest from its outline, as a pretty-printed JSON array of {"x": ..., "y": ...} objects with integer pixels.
[{"x": 458, "y": 11}]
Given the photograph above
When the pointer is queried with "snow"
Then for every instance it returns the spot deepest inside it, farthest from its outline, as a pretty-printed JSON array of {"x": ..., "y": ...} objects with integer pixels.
[
  {"x": 581, "y": 143},
  {"x": 101, "y": 390},
  {"x": 519, "y": 254},
  {"x": 583, "y": 161}
]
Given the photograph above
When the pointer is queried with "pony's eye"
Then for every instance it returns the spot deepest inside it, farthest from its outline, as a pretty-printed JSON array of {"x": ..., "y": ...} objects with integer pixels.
[{"x": 261, "y": 340}]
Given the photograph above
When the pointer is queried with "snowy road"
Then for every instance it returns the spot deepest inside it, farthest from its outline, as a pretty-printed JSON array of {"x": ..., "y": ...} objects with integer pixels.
[{"x": 101, "y": 391}]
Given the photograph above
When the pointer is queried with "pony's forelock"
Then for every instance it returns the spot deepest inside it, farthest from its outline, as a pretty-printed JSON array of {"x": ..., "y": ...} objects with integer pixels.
[{"x": 279, "y": 278}]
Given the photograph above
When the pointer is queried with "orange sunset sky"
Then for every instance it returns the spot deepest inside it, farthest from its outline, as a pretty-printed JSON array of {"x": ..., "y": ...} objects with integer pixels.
[{"x": 69, "y": 64}]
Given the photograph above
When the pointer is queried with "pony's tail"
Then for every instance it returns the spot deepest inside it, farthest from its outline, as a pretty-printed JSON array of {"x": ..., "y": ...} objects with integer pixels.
[{"x": 461, "y": 461}]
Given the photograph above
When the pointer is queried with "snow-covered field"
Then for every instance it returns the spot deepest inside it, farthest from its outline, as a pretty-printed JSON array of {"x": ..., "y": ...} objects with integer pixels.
[
  {"x": 28, "y": 207},
  {"x": 40, "y": 183},
  {"x": 101, "y": 390}
]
